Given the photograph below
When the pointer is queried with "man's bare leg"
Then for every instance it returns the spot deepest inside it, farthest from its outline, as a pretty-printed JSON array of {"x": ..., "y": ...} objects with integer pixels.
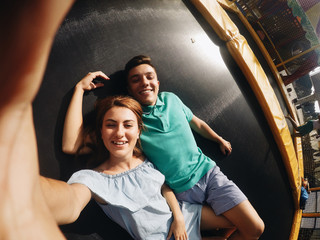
[{"x": 210, "y": 221}]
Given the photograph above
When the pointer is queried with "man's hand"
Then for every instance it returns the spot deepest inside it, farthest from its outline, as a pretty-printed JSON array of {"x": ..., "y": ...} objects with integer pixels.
[{"x": 225, "y": 147}]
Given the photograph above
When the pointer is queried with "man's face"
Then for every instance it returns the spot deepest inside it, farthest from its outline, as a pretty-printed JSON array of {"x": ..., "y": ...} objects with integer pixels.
[{"x": 143, "y": 84}]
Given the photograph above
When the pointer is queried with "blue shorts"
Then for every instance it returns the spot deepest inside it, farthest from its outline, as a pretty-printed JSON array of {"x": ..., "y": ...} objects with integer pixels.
[{"x": 216, "y": 190}]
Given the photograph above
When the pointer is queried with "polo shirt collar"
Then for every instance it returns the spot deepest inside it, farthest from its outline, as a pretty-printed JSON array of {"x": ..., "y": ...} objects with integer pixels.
[{"x": 151, "y": 107}]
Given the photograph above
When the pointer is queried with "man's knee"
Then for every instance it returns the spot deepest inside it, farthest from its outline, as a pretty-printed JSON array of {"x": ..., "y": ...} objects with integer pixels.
[{"x": 256, "y": 230}]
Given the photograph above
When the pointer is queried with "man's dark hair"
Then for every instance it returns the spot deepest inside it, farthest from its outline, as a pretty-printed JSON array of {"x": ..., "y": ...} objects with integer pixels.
[{"x": 136, "y": 61}]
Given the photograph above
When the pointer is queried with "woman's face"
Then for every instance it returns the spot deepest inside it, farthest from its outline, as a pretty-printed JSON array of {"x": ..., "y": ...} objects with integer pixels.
[{"x": 120, "y": 132}]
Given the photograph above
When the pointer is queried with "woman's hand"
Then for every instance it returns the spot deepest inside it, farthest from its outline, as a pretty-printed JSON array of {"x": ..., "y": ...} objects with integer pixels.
[
  {"x": 178, "y": 229},
  {"x": 178, "y": 226},
  {"x": 87, "y": 84}
]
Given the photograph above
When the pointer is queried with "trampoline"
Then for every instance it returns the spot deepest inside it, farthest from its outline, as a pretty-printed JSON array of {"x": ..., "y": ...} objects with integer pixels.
[{"x": 191, "y": 61}]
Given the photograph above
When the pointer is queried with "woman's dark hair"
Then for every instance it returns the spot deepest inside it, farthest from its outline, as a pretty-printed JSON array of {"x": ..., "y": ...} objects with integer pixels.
[
  {"x": 100, "y": 153},
  {"x": 136, "y": 61}
]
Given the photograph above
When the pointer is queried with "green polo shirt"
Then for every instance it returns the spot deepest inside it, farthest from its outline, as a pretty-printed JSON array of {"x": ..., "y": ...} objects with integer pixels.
[{"x": 169, "y": 143}]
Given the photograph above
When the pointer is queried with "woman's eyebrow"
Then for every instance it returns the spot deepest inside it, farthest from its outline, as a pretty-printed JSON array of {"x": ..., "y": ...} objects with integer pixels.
[
  {"x": 112, "y": 120},
  {"x": 129, "y": 120}
]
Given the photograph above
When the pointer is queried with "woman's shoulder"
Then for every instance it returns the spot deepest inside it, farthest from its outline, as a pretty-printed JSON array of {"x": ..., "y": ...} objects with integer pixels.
[
  {"x": 145, "y": 171},
  {"x": 131, "y": 189},
  {"x": 83, "y": 176}
]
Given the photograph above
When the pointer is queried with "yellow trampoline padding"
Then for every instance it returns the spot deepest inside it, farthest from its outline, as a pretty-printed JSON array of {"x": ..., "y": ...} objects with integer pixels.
[
  {"x": 296, "y": 224},
  {"x": 260, "y": 84},
  {"x": 221, "y": 23},
  {"x": 232, "y": 7},
  {"x": 298, "y": 148},
  {"x": 256, "y": 77},
  {"x": 250, "y": 66}
]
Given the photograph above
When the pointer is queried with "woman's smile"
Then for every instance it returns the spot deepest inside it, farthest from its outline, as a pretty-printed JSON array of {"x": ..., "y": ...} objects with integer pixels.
[{"x": 120, "y": 132}]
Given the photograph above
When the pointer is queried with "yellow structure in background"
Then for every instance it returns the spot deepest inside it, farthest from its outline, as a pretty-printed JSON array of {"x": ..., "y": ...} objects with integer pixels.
[{"x": 291, "y": 152}]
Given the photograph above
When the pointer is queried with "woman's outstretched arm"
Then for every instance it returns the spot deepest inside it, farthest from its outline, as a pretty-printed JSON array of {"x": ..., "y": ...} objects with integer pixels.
[
  {"x": 27, "y": 31},
  {"x": 65, "y": 201}
]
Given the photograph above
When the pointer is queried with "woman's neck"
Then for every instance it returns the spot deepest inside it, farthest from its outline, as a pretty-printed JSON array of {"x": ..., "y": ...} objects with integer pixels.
[{"x": 115, "y": 165}]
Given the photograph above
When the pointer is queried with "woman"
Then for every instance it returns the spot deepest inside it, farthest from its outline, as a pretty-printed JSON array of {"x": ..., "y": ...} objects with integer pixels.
[{"x": 125, "y": 184}]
